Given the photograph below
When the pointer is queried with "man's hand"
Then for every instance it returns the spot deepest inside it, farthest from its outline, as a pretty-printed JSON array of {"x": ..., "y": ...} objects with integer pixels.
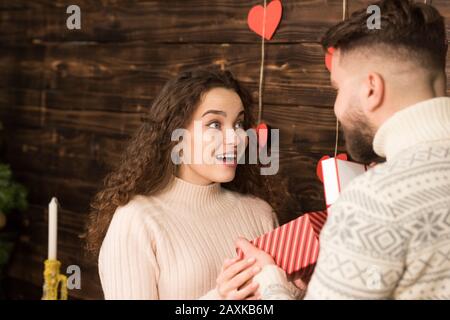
[{"x": 250, "y": 251}]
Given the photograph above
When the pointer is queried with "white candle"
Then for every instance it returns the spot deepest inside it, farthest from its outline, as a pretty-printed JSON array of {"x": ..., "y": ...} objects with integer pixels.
[{"x": 52, "y": 228}]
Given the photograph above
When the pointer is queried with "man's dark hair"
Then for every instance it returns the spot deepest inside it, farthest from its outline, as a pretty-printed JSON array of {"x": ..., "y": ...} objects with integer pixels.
[{"x": 408, "y": 30}]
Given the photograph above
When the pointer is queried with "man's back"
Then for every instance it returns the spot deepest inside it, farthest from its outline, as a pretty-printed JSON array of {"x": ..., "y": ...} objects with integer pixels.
[{"x": 388, "y": 235}]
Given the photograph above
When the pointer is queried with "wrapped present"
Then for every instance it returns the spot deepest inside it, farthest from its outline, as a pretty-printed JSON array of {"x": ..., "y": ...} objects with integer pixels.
[
  {"x": 295, "y": 245},
  {"x": 337, "y": 174}
]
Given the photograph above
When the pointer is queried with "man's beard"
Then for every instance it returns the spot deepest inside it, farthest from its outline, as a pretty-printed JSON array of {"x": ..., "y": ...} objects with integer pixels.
[{"x": 359, "y": 137}]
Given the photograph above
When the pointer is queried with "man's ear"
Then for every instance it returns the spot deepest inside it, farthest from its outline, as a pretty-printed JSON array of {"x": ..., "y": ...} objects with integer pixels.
[{"x": 373, "y": 91}]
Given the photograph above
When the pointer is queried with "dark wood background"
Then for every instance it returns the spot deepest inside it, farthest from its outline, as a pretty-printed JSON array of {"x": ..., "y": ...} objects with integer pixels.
[{"x": 69, "y": 99}]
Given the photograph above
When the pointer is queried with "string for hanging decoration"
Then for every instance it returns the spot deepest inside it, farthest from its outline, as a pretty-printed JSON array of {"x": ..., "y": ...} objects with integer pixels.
[
  {"x": 337, "y": 138},
  {"x": 261, "y": 70},
  {"x": 344, "y": 9},
  {"x": 344, "y": 16},
  {"x": 264, "y": 21}
]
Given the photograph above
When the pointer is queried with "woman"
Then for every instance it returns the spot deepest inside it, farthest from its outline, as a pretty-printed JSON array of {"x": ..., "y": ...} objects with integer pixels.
[{"x": 162, "y": 229}]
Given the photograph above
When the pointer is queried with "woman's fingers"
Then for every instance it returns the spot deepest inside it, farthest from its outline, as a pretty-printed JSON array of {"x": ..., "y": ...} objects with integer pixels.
[
  {"x": 245, "y": 276},
  {"x": 254, "y": 297},
  {"x": 229, "y": 262},
  {"x": 246, "y": 292},
  {"x": 251, "y": 251},
  {"x": 235, "y": 280},
  {"x": 234, "y": 269}
]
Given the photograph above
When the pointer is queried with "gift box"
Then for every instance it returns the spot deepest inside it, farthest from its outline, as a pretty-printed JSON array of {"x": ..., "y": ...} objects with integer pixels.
[
  {"x": 295, "y": 245},
  {"x": 337, "y": 174}
]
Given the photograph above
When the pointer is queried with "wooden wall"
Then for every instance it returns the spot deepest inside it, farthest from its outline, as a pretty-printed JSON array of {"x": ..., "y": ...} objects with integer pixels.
[{"x": 70, "y": 99}]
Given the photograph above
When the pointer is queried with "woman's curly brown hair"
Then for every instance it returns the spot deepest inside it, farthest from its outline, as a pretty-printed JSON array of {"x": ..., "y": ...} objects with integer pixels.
[{"x": 146, "y": 167}]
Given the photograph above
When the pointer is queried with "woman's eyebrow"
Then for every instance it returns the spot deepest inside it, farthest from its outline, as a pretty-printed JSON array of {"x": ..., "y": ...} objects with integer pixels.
[{"x": 219, "y": 112}]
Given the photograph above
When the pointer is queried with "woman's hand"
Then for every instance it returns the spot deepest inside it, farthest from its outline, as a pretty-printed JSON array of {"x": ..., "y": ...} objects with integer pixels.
[
  {"x": 263, "y": 259},
  {"x": 250, "y": 251},
  {"x": 234, "y": 281}
]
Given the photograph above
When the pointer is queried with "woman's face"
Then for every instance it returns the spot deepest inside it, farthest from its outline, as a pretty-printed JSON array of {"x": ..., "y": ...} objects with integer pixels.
[{"x": 216, "y": 139}]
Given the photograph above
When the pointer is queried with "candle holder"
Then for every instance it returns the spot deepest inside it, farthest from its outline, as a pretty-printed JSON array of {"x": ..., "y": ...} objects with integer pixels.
[{"x": 54, "y": 281}]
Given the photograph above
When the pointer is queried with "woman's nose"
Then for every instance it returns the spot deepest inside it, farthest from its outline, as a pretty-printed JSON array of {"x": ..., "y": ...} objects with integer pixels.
[{"x": 230, "y": 136}]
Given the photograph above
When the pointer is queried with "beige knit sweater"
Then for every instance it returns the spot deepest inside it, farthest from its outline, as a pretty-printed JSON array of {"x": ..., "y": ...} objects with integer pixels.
[
  {"x": 388, "y": 235},
  {"x": 172, "y": 246}
]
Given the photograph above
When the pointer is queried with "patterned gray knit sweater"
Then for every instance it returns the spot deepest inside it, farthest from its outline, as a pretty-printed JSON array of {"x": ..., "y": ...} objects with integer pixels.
[{"x": 388, "y": 235}]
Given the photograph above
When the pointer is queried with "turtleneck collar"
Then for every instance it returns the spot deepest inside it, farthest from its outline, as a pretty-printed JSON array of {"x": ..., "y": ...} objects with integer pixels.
[
  {"x": 425, "y": 121},
  {"x": 189, "y": 195}
]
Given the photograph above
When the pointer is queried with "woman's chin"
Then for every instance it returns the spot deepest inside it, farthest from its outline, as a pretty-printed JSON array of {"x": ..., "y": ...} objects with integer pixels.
[{"x": 224, "y": 174}]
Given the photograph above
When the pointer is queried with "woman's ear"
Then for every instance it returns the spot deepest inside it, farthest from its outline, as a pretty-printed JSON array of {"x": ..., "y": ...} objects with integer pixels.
[{"x": 373, "y": 92}]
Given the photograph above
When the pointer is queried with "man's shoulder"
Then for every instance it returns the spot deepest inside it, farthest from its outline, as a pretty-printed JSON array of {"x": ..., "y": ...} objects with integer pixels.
[
  {"x": 413, "y": 181},
  {"x": 420, "y": 160}
]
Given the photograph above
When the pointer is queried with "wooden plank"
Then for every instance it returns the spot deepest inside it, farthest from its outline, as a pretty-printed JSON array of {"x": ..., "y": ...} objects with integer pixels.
[
  {"x": 75, "y": 194},
  {"x": 199, "y": 21},
  {"x": 17, "y": 289},
  {"x": 295, "y": 74},
  {"x": 73, "y": 138},
  {"x": 129, "y": 77},
  {"x": 95, "y": 121},
  {"x": 71, "y": 155},
  {"x": 73, "y": 100}
]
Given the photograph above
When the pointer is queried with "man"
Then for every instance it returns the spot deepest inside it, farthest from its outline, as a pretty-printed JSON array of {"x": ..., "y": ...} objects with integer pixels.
[{"x": 388, "y": 235}]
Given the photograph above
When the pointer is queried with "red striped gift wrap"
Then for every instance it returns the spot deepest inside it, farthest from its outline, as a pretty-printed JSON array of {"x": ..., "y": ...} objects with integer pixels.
[{"x": 295, "y": 245}]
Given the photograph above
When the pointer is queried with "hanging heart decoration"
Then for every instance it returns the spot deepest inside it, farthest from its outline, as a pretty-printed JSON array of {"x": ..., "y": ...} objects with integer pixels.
[
  {"x": 264, "y": 21},
  {"x": 329, "y": 58},
  {"x": 273, "y": 15},
  {"x": 262, "y": 131},
  {"x": 341, "y": 156}
]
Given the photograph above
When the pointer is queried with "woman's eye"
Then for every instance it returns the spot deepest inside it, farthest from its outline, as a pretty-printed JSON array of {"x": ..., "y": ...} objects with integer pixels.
[
  {"x": 239, "y": 125},
  {"x": 214, "y": 125}
]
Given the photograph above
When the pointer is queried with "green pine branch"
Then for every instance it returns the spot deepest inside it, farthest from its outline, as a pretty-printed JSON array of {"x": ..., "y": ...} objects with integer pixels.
[{"x": 13, "y": 196}]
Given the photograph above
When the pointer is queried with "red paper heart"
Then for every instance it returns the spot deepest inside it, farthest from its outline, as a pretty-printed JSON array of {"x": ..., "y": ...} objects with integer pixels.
[
  {"x": 273, "y": 17},
  {"x": 329, "y": 58},
  {"x": 341, "y": 156},
  {"x": 263, "y": 133},
  {"x": 319, "y": 168}
]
